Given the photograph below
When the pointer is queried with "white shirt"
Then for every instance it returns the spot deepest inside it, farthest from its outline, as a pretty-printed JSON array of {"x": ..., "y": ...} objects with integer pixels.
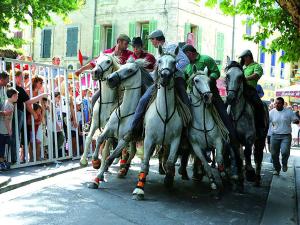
[{"x": 280, "y": 121}]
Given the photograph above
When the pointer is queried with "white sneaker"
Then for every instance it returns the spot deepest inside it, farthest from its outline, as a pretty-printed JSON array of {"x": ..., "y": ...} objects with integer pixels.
[{"x": 276, "y": 173}]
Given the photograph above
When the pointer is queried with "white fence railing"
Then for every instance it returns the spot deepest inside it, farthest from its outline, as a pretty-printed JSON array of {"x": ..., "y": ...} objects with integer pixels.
[{"x": 39, "y": 143}]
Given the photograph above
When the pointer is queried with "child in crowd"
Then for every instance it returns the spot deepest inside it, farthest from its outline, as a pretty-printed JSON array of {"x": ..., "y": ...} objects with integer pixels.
[
  {"x": 6, "y": 125},
  {"x": 59, "y": 126},
  {"x": 73, "y": 129}
]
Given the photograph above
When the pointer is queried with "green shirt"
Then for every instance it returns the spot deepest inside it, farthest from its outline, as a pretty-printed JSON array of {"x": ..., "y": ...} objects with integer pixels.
[
  {"x": 201, "y": 62},
  {"x": 250, "y": 70}
]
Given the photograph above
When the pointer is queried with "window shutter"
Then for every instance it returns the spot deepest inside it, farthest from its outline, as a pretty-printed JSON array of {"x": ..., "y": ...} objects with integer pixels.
[
  {"x": 199, "y": 39},
  {"x": 187, "y": 29},
  {"x": 96, "y": 41},
  {"x": 46, "y": 43},
  {"x": 72, "y": 41},
  {"x": 262, "y": 53},
  {"x": 152, "y": 27},
  {"x": 132, "y": 31},
  {"x": 113, "y": 31},
  {"x": 220, "y": 48}
]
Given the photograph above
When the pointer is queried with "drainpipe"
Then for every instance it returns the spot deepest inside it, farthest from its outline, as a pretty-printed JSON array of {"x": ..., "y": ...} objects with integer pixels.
[{"x": 233, "y": 34}]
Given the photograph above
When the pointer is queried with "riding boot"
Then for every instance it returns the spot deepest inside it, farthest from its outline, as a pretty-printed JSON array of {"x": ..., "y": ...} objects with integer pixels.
[
  {"x": 95, "y": 97},
  {"x": 137, "y": 123},
  {"x": 259, "y": 112},
  {"x": 180, "y": 86}
]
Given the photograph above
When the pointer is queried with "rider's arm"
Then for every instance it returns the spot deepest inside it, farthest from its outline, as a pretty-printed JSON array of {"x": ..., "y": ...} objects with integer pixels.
[
  {"x": 212, "y": 68},
  {"x": 88, "y": 66},
  {"x": 258, "y": 72}
]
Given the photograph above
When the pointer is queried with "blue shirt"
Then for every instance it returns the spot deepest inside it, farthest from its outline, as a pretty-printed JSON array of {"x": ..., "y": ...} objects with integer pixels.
[{"x": 85, "y": 104}]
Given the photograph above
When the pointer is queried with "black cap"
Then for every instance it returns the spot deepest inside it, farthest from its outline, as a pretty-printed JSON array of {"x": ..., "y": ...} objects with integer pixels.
[
  {"x": 188, "y": 48},
  {"x": 246, "y": 53},
  {"x": 137, "y": 41}
]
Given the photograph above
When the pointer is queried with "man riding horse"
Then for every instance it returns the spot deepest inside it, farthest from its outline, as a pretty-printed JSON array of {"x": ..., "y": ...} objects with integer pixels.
[
  {"x": 157, "y": 38},
  {"x": 253, "y": 72},
  {"x": 200, "y": 62}
]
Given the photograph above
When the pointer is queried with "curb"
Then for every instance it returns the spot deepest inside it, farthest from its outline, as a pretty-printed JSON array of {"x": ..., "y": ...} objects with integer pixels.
[
  {"x": 29, "y": 181},
  {"x": 4, "y": 181}
]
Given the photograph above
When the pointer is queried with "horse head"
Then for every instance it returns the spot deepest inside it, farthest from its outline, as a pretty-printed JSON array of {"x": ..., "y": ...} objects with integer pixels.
[
  {"x": 234, "y": 82},
  {"x": 166, "y": 66},
  {"x": 105, "y": 65},
  {"x": 201, "y": 87},
  {"x": 126, "y": 74}
]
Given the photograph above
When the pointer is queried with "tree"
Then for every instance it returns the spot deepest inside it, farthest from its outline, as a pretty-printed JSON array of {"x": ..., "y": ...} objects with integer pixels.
[
  {"x": 33, "y": 12},
  {"x": 277, "y": 19}
]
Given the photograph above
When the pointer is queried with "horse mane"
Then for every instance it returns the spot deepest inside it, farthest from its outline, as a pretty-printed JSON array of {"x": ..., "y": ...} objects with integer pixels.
[{"x": 233, "y": 64}]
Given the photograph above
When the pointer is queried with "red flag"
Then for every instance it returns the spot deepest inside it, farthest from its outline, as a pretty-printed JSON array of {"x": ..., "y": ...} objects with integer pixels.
[{"x": 80, "y": 58}]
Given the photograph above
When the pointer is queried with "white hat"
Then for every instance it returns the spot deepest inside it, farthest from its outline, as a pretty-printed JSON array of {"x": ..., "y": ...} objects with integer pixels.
[{"x": 78, "y": 100}]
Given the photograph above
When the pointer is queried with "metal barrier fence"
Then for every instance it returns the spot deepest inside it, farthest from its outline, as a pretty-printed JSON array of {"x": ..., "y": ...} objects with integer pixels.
[{"x": 34, "y": 148}]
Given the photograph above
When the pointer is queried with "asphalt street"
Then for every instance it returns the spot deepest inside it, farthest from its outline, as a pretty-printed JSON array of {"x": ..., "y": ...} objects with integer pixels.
[{"x": 65, "y": 199}]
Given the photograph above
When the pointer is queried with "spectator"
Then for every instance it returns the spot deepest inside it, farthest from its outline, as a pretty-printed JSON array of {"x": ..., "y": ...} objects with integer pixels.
[
  {"x": 280, "y": 121},
  {"x": 37, "y": 131},
  {"x": 6, "y": 125},
  {"x": 80, "y": 134}
]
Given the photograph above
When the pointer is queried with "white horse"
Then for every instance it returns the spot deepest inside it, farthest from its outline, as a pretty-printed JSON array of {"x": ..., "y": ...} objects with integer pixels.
[
  {"x": 130, "y": 76},
  {"x": 105, "y": 65},
  {"x": 163, "y": 124},
  {"x": 204, "y": 132}
]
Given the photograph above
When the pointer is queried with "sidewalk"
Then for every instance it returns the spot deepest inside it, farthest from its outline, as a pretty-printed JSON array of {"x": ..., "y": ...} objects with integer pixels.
[{"x": 16, "y": 178}]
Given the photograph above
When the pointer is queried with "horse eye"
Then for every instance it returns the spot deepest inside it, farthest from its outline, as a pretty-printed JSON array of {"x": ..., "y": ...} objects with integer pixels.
[
  {"x": 196, "y": 81},
  {"x": 159, "y": 61},
  {"x": 108, "y": 61},
  {"x": 130, "y": 71}
]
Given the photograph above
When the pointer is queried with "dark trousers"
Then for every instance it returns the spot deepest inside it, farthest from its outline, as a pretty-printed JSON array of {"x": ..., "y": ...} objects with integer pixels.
[
  {"x": 95, "y": 97},
  {"x": 13, "y": 144}
]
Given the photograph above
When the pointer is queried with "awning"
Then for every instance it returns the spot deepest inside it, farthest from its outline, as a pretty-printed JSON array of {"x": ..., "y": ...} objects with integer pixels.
[{"x": 293, "y": 91}]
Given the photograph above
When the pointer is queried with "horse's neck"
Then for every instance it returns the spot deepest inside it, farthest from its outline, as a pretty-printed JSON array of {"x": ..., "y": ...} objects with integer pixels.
[
  {"x": 239, "y": 106},
  {"x": 107, "y": 94},
  {"x": 165, "y": 101},
  {"x": 199, "y": 109},
  {"x": 131, "y": 98}
]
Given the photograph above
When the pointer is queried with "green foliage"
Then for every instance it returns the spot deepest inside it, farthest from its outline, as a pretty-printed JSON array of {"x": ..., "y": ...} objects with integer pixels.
[
  {"x": 31, "y": 12},
  {"x": 273, "y": 21}
]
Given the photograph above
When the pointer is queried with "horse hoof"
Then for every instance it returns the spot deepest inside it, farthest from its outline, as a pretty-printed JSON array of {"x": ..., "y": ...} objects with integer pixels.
[
  {"x": 197, "y": 177},
  {"x": 250, "y": 175},
  {"x": 138, "y": 197},
  {"x": 185, "y": 177},
  {"x": 122, "y": 173},
  {"x": 96, "y": 163},
  {"x": 183, "y": 173},
  {"x": 213, "y": 186},
  {"x": 83, "y": 162},
  {"x": 168, "y": 181}
]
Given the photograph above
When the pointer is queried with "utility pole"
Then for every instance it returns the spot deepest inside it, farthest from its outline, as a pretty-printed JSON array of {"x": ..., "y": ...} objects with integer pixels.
[{"x": 233, "y": 34}]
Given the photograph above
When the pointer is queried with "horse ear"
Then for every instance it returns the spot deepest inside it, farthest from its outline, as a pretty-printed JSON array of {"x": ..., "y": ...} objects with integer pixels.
[
  {"x": 194, "y": 69},
  {"x": 130, "y": 60},
  {"x": 176, "y": 50},
  {"x": 227, "y": 60},
  {"x": 205, "y": 71},
  {"x": 160, "y": 50}
]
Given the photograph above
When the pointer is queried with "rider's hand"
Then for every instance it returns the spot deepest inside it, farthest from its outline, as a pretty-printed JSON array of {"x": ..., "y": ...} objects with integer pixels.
[
  {"x": 78, "y": 72},
  {"x": 7, "y": 113}
]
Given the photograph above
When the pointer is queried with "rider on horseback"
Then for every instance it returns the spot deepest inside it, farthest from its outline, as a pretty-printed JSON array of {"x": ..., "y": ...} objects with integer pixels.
[
  {"x": 253, "y": 72},
  {"x": 157, "y": 38}
]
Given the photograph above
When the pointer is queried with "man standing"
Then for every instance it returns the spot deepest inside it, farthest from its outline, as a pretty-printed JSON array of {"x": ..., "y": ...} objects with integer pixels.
[
  {"x": 157, "y": 38},
  {"x": 253, "y": 72},
  {"x": 138, "y": 53},
  {"x": 281, "y": 138}
]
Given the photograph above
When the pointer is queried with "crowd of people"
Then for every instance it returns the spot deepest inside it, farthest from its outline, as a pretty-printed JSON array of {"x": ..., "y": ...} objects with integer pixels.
[{"x": 34, "y": 95}]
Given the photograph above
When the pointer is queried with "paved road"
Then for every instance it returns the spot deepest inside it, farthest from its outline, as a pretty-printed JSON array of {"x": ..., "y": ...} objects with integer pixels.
[{"x": 65, "y": 199}]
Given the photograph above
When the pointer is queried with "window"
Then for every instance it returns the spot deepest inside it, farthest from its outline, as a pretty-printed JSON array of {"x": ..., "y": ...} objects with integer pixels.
[
  {"x": 144, "y": 34},
  {"x": 72, "y": 42},
  {"x": 248, "y": 27},
  {"x": 152, "y": 27},
  {"x": 282, "y": 67},
  {"x": 262, "y": 53},
  {"x": 273, "y": 61},
  {"x": 46, "y": 43},
  {"x": 220, "y": 48},
  {"x": 108, "y": 37},
  {"x": 96, "y": 41}
]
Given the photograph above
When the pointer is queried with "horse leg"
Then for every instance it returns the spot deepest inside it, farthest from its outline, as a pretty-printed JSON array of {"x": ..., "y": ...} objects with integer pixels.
[
  {"x": 100, "y": 140},
  {"x": 198, "y": 151},
  {"x": 88, "y": 140},
  {"x": 105, "y": 154},
  {"x": 125, "y": 163},
  {"x": 170, "y": 165},
  {"x": 185, "y": 153},
  {"x": 138, "y": 193},
  {"x": 219, "y": 157},
  {"x": 250, "y": 172},
  {"x": 259, "y": 146},
  {"x": 162, "y": 155},
  {"x": 198, "y": 172}
]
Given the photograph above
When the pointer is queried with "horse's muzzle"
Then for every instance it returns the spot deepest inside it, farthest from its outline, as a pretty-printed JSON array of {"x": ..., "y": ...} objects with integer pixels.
[
  {"x": 97, "y": 75},
  {"x": 113, "y": 80},
  {"x": 207, "y": 97},
  {"x": 231, "y": 97}
]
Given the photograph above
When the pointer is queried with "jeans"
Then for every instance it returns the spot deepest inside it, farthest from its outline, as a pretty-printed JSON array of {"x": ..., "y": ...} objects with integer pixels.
[
  {"x": 13, "y": 144},
  {"x": 280, "y": 142}
]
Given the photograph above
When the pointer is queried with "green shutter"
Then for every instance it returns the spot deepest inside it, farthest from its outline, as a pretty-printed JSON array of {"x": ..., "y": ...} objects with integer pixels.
[
  {"x": 152, "y": 27},
  {"x": 96, "y": 40},
  {"x": 46, "y": 43},
  {"x": 187, "y": 29},
  {"x": 72, "y": 41},
  {"x": 132, "y": 31},
  {"x": 113, "y": 31},
  {"x": 199, "y": 39}
]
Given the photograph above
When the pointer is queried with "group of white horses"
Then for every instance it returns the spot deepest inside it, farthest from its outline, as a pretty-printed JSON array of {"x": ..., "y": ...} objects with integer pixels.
[{"x": 162, "y": 122}]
